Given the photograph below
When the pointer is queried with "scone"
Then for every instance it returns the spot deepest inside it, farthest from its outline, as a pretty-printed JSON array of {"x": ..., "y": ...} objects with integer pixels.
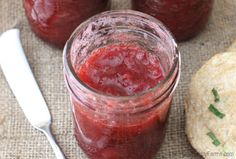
[{"x": 211, "y": 108}]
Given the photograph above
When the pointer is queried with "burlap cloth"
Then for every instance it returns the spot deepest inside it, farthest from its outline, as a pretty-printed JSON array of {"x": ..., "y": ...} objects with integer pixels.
[{"x": 19, "y": 140}]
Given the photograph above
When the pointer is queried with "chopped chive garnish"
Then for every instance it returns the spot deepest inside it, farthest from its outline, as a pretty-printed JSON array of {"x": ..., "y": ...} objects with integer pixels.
[
  {"x": 216, "y": 142},
  {"x": 216, "y": 95},
  {"x": 215, "y": 111}
]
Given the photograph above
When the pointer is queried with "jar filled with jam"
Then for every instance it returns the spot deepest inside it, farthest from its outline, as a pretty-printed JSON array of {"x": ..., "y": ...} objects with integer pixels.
[
  {"x": 121, "y": 69},
  {"x": 55, "y": 20},
  {"x": 184, "y": 18}
]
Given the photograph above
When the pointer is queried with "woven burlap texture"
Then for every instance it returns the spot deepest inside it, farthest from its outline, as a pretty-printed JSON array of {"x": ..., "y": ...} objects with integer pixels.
[{"x": 19, "y": 140}]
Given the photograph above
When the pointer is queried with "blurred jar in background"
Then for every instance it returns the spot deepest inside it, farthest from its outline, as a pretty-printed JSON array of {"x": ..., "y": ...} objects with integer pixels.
[
  {"x": 55, "y": 20},
  {"x": 184, "y": 18}
]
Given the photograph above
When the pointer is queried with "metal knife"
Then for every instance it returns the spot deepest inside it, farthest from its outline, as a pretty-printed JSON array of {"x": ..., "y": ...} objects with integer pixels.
[{"x": 24, "y": 86}]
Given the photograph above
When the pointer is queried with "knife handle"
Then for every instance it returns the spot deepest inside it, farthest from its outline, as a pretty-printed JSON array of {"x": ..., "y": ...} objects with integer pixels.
[{"x": 47, "y": 131}]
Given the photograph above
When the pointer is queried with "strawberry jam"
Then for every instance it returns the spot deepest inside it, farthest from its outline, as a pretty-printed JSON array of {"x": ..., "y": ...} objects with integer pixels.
[
  {"x": 121, "y": 69},
  {"x": 184, "y": 18},
  {"x": 55, "y": 20}
]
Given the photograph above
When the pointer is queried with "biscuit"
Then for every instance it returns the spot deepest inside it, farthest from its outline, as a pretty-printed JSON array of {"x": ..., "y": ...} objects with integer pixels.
[{"x": 212, "y": 135}]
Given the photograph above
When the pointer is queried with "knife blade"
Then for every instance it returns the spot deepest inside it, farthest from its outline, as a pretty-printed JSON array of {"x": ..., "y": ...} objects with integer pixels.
[{"x": 21, "y": 80}]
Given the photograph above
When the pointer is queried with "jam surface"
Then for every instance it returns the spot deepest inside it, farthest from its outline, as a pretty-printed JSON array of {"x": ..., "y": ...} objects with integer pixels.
[
  {"x": 55, "y": 20},
  {"x": 121, "y": 70},
  {"x": 184, "y": 18}
]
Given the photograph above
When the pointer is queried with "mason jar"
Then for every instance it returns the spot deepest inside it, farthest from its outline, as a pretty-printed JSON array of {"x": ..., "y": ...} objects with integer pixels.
[
  {"x": 184, "y": 18},
  {"x": 120, "y": 126},
  {"x": 55, "y": 20}
]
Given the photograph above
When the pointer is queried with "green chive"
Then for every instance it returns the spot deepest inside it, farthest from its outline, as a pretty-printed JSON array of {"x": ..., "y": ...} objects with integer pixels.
[
  {"x": 216, "y": 142},
  {"x": 215, "y": 111},
  {"x": 216, "y": 95}
]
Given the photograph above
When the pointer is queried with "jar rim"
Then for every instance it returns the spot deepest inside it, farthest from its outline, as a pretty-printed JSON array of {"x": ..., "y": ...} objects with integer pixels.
[{"x": 71, "y": 72}]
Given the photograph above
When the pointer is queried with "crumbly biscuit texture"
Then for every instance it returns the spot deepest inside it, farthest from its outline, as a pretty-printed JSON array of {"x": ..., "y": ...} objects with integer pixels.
[{"x": 219, "y": 73}]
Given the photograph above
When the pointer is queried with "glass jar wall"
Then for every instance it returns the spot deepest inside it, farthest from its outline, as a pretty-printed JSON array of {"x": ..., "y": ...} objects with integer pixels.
[
  {"x": 184, "y": 18},
  {"x": 55, "y": 20}
]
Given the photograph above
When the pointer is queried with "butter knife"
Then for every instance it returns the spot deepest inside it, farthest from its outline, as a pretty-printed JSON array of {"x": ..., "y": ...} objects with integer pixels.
[{"x": 24, "y": 86}]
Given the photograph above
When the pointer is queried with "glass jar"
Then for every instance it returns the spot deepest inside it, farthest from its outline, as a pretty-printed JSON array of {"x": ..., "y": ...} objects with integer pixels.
[
  {"x": 120, "y": 127},
  {"x": 55, "y": 20},
  {"x": 185, "y": 18}
]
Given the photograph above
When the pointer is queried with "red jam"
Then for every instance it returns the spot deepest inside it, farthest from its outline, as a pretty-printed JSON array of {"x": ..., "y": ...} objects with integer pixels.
[
  {"x": 184, "y": 18},
  {"x": 55, "y": 20},
  {"x": 121, "y": 70}
]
